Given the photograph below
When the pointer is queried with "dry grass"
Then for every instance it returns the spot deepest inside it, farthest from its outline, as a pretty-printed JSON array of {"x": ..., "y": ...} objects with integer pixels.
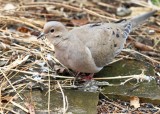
[{"x": 24, "y": 59}]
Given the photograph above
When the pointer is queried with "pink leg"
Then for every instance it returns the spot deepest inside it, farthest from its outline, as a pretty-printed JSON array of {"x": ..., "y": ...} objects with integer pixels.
[
  {"x": 76, "y": 77},
  {"x": 87, "y": 78}
]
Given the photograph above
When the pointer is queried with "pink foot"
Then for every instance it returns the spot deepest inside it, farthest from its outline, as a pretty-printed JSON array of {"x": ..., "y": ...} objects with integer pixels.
[{"x": 87, "y": 78}]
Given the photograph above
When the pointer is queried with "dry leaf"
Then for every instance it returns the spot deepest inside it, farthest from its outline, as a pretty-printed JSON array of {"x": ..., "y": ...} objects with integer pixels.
[
  {"x": 143, "y": 47},
  {"x": 6, "y": 99},
  {"x": 134, "y": 101},
  {"x": 23, "y": 29},
  {"x": 79, "y": 22}
]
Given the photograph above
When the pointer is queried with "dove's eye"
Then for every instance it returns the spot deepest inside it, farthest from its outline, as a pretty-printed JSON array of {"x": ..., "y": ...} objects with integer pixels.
[{"x": 52, "y": 30}]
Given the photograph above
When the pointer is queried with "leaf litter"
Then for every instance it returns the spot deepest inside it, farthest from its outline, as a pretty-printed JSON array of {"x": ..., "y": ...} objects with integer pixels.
[{"x": 24, "y": 59}]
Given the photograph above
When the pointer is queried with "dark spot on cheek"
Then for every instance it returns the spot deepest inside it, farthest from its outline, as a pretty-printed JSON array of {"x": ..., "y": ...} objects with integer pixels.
[
  {"x": 115, "y": 45},
  {"x": 58, "y": 36},
  {"x": 117, "y": 35}
]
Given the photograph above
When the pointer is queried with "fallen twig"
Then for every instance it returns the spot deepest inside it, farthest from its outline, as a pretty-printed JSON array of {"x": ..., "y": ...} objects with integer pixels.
[
  {"x": 73, "y": 8},
  {"x": 11, "y": 84},
  {"x": 64, "y": 98},
  {"x": 139, "y": 77},
  {"x": 136, "y": 52}
]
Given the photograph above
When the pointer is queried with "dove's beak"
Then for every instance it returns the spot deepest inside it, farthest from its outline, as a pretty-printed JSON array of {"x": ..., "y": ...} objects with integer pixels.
[{"x": 41, "y": 35}]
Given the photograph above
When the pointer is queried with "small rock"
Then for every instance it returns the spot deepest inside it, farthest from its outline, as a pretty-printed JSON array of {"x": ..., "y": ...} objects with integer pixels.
[
  {"x": 151, "y": 32},
  {"x": 9, "y": 7},
  {"x": 122, "y": 11},
  {"x": 90, "y": 86},
  {"x": 149, "y": 105}
]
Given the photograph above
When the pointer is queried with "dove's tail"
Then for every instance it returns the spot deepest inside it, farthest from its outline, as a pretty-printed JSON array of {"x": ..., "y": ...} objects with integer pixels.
[
  {"x": 141, "y": 18},
  {"x": 134, "y": 22}
]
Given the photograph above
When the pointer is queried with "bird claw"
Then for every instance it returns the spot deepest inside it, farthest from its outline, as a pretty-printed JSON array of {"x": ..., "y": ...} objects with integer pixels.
[{"x": 87, "y": 78}]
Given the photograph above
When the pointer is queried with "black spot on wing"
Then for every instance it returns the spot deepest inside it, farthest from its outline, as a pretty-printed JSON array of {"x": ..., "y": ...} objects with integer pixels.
[
  {"x": 113, "y": 33},
  {"x": 127, "y": 30},
  {"x": 117, "y": 35},
  {"x": 125, "y": 34},
  {"x": 129, "y": 26}
]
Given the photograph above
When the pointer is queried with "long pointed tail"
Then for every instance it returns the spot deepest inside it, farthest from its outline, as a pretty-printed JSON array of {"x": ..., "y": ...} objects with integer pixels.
[
  {"x": 134, "y": 22},
  {"x": 141, "y": 18}
]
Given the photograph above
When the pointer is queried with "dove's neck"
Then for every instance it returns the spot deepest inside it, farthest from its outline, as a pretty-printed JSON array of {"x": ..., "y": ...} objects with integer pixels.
[
  {"x": 59, "y": 39},
  {"x": 60, "y": 43}
]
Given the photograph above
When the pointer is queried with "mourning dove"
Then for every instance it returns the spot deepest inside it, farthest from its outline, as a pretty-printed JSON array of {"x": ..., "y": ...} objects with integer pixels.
[{"x": 90, "y": 47}]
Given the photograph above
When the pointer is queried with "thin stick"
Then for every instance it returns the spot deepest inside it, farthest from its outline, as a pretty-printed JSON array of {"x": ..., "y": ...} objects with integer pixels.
[
  {"x": 140, "y": 76},
  {"x": 147, "y": 57},
  {"x": 20, "y": 106},
  {"x": 11, "y": 84},
  {"x": 19, "y": 20},
  {"x": 14, "y": 97},
  {"x": 17, "y": 62},
  {"x": 63, "y": 96},
  {"x": 98, "y": 15},
  {"x": 42, "y": 74},
  {"x": 117, "y": 77},
  {"x": 116, "y": 105},
  {"x": 0, "y": 98},
  {"x": 106, "y": 5},
  {"x": 34, "y": 4},
  {"x": 73, "y": 8},
  {"x": 66, "y": 104},
  {"x": 49, "y": 93},
  {"x": 11, "y": 110}
]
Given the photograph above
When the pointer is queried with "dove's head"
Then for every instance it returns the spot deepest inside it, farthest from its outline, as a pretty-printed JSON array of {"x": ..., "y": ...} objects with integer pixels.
[{"x": 53, "y": 30}]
